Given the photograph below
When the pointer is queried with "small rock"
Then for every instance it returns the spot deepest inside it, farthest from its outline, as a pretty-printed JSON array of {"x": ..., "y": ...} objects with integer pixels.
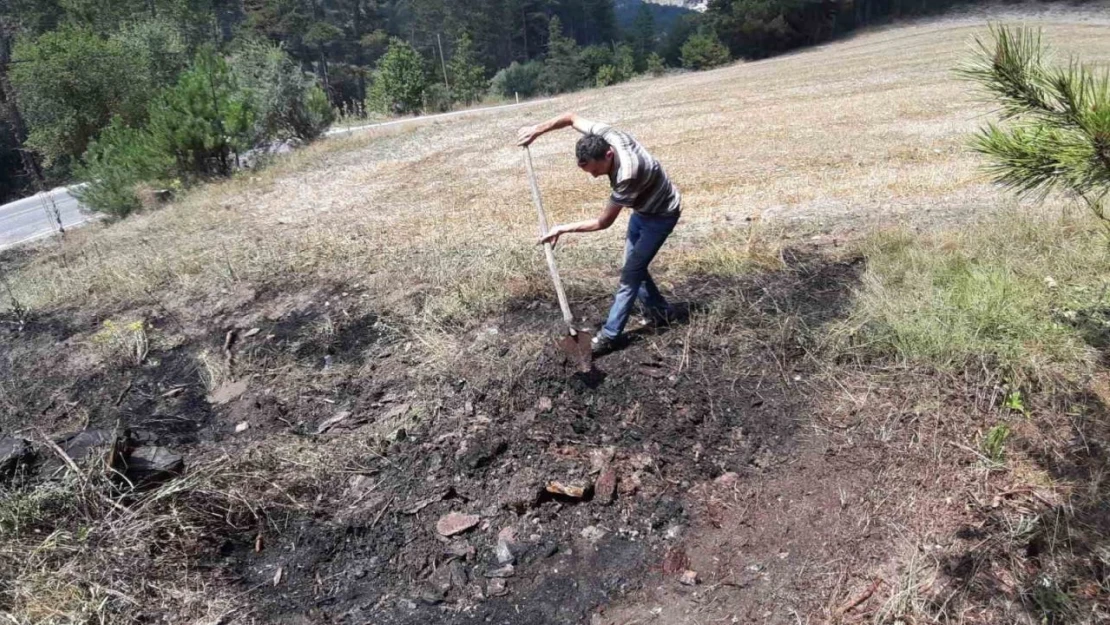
[
  {"x": 629, "y": 485},
  {"x": 504, "y": 553},
  {"x": 460, "y": 549},
  {"x": 481, "y": 454},
  {"x": 727, "y": 479},
  {"x": 456, "y": 523},
  {"x": 675, "y": 561},
  {"x": 522, "y": 492},
  {"x": 459, "y": 578},
  {"x": 432, "y": 596},
  {"x": 242, "y": 427},
  {"x": 544, "y": 404},
  {"x": 606, "y": 487},
  {"x": 674, "y": 531},
  {"x": 688, "y": 578},
  {"x": 331, "y": 422},
  {"x": 251, "y": 332},
  {"x": 407, "y": 604},
  {"x": 593, "y": 533},
  {"x": 501, "y": 571},
  {"x": 601, "y": 457},
  {"x": 497, "y": 588},
  {"x": 507, "y": 534},
  {"x": 574, "y": 491},
  {"x": 83, "y": 444},
  {"x": 227, "y": 392},
  {"x": 14, "y": 453}
]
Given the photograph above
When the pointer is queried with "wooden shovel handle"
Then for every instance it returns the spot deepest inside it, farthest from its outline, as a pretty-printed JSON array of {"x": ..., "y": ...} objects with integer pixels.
[{"x": 549, "y": 252}]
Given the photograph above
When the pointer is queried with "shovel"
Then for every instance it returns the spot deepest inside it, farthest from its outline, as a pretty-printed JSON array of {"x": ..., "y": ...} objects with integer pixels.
[{"x": 576, "y": 346}]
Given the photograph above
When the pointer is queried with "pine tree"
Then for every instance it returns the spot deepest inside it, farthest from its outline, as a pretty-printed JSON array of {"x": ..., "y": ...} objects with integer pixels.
[
  {"x": 643, "y": 37},
  {"x": 562, "y": 70},
  {"x": 204, "y": 119},
  {"x": 704, "y": 51},
  {"x": 468, "y": 78},
  {"x": 1055, "y": 130}
]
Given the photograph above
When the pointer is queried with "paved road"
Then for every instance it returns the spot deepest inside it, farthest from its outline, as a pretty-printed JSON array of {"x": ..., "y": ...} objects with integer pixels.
[{"x": 28, "y": 219}]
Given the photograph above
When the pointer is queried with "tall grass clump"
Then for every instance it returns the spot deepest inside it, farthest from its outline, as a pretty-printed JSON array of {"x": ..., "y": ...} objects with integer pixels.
[{"x": 1026, "y": 294}]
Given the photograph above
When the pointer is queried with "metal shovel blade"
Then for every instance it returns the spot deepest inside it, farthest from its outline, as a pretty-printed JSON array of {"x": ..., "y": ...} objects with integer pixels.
[{"x": 578, "y": 349}]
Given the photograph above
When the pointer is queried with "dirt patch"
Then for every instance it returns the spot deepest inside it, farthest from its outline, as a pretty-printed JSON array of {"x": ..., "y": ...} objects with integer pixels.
[
  {"x": 581, "y": 484},
  {"x": 529, "y": 453}
]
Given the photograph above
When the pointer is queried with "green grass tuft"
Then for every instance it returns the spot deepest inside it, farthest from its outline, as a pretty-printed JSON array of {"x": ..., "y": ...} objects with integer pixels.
[{"x": 1024, "y": 294}]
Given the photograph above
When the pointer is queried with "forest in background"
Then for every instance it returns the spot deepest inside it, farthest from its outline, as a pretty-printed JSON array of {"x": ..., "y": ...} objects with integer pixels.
[{"x": 165, "y": 92}]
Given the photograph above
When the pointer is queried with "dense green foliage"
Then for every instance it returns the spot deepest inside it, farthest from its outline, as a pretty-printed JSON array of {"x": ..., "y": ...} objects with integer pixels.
[
  {"x": 70, "y": 83},
  {"x": 704, "y": 51},
  {"x": 518, "y": 79},
  {"x": 288, "y": 103},
  {"x": 400, "y": 81},
  {"x": 79, "y": 63}
]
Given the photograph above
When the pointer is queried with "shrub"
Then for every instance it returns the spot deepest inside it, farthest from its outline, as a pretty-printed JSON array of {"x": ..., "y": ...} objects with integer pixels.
[
  {"x": 704, "y": 51},
  {"x": 69, "y": 84},
  {"x": 517, "y": 79},
  {"x": 203, "y": 119},
  {"x": 399, "y": 82},
  {"x": 606, "y": 75},
  {"x": 287, "y": 101},
  {"x": 114, "y": 164}
]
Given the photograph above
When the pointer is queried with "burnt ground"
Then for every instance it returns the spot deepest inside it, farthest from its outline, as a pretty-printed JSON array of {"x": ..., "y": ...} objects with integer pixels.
[{"x": 786, "y": 486}]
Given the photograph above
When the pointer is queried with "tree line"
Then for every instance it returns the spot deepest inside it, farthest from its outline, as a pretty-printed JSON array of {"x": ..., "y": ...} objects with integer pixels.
[{"x": 173, "y": 91}]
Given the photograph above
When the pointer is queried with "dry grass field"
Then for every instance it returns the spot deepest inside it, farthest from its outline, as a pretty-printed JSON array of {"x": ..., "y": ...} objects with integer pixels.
[{"x": 886, "y": 405}]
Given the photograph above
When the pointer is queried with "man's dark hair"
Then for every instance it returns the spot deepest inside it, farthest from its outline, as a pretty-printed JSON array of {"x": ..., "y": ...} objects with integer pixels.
[{"x": 590, "y": 148}]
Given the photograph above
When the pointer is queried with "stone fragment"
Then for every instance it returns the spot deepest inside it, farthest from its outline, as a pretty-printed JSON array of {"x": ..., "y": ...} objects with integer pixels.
[
  {"x": 593, "y": 533},
  {"x": 460, "y": 549},
  {"x": 227, "y": 392},
  {"x": 501, "y": 571},
  {"x": 605, "y": 489},
  {"x": 456, "y": 523},
  {"x": 727, "y": 479},
  {"x": 601, "y": 458},
  {"x": 497, "y": 588},
  {"x": 504, "y": 553},
  {"x": 675, "y": 561},
  {"x": 574, "y": 491},
  {"x": 14, "y": 453}
]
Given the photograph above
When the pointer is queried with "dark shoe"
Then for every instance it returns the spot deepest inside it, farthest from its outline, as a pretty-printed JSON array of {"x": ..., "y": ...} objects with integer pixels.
[
  {"x": 602, "y": 345},
  {"x": 658, "y": 319}
]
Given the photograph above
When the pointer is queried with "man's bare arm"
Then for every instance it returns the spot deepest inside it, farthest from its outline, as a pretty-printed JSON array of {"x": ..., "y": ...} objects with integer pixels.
[
  {"x": 601, "y": 222},
  {"x": 528, "y": 134}
]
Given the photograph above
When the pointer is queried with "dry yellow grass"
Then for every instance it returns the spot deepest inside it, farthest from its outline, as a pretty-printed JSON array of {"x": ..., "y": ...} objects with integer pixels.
[{"x": 869, "y": 130}]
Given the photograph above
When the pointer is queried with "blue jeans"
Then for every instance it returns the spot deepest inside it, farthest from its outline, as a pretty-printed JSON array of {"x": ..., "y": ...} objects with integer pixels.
[{"x": 646, "y": 235}]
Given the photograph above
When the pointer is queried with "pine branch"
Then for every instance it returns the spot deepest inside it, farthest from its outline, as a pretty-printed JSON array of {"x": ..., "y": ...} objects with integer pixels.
[{"x": 1010, "y": 69}]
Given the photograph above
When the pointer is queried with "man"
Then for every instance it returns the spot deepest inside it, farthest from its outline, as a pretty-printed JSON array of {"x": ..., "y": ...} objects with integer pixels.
[{"x": 638, "y": 182}]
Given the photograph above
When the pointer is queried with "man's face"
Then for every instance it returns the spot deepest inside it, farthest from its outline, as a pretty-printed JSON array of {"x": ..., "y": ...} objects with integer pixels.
[{"x": 599, "y": 167}]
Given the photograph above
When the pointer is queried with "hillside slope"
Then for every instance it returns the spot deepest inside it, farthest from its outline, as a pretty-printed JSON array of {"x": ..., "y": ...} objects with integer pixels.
[{"x": 352, "y": 351}]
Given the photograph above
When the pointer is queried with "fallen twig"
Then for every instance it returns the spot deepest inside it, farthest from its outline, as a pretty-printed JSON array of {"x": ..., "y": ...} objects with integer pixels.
[{"x": 864, "y": 596}]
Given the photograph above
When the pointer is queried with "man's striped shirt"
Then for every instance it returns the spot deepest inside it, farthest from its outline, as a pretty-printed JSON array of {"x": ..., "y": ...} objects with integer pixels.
[{"x": 638, "y": 181}]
